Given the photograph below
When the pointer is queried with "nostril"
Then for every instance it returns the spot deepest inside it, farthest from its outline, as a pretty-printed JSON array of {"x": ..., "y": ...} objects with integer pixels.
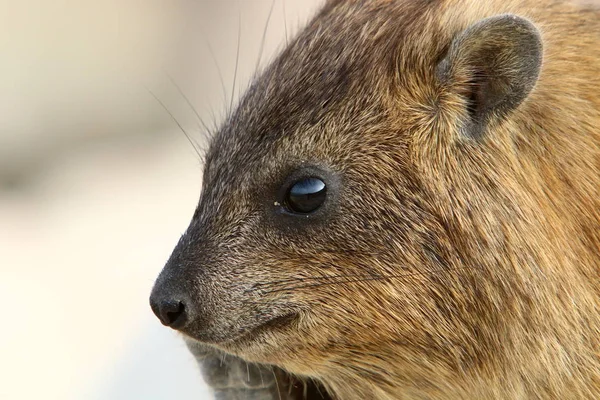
[
  {"x": 175, "y": 313},
  {"x": 170, "y": 312}
]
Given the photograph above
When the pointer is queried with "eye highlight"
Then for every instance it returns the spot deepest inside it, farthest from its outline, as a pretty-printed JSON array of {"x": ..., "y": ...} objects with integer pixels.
[{"x": 306, "y": 195}]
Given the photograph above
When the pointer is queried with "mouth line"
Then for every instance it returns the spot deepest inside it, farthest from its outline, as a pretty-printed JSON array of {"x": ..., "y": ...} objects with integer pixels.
[{"x": 275, "y": 323}]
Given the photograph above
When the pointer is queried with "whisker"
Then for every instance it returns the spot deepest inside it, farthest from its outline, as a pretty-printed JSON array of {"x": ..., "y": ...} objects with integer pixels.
[
  {"x": 362, "y": 279},
  {"x": 276, "y": 383},
  {"x": 237, "y": 59},
  {"x": 300, "y": 279},
  {"x": 319, "y": 390},
  {"x": 264, "y": 36},
  {"x": 214, "y": 58},
  {"x": 201, "y": 123},
  {"x": 285, "y": 22},
  {"x": 310, "y": 278},
  {"x": 304, "y": 389},
  {"x": 192, "y": 142},
  {"x": 214, "y": 119},
  {"x": 330, "y": 281},
  {"x": 216, "y": 65}
]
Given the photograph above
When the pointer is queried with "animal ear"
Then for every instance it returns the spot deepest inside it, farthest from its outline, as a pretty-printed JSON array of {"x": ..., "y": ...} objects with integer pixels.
[{"x": 494, "y": 64}]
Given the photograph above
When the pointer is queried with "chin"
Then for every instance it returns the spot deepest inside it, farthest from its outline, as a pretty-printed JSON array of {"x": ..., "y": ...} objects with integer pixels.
[{"x": 265, "y": 342}]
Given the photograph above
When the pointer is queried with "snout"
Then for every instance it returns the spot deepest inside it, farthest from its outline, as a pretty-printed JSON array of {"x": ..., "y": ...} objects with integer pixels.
[
  {"x": 213, "y": 303},
  {"x": 171, "y": 309}
]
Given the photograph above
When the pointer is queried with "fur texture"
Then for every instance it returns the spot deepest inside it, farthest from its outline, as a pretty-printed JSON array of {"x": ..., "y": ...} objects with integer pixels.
[{"x": 442, "y": 266}]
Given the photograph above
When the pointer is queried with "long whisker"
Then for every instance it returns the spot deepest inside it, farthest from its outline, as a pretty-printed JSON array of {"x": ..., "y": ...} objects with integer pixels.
[
  {"x": 214, "y": 119},
  {"x": 293, "y": 279},
  {"x": 264, "y": 36},
  {"x": 276, "y": 383},
  {"x": 262, "y": 285},
  {"x": 262, "y": 380},
  {"x": 285, "y": 22},
  {"x": 214, "y": 58},
  {"x": 192, "y": 142},
  {"x": 201, "y": 123},
  {"x": 237, "y": 59},
  {"x": 319, "y": 390},
  {"x": 351, "y": 279},
  {"x": 325, "y": 281},
  {"x": 308, "y": 278}
]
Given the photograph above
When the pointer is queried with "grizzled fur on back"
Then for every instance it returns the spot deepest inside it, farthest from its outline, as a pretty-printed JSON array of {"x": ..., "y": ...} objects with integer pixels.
[{"x": 451, "y": 259}]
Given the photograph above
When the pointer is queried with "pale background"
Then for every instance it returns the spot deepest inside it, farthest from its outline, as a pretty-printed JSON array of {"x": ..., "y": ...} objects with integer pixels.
[{"x": 97, "y": 182}]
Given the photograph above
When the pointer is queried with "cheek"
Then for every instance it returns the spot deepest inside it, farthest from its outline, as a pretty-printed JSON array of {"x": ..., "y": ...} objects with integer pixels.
[{"x": 354, "y": 292}]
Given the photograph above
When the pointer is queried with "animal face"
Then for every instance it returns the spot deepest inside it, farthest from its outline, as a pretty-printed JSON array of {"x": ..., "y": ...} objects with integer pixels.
[{"x": 321, "y": 232}]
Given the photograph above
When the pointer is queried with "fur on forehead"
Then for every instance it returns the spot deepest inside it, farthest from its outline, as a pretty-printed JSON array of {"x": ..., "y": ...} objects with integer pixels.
[{"x": 327, "y": 85}]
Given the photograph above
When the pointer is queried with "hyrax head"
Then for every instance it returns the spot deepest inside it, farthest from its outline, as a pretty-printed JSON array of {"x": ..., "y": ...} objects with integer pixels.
[{"x": 323, "y": 225}]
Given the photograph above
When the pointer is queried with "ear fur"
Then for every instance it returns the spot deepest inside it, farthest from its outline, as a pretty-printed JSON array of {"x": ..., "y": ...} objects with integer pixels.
[{"x": 494, "y": 64}]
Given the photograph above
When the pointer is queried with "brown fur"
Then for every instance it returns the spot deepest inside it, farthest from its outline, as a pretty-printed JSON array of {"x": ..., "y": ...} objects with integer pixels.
[{"x": 450, "y": 267}]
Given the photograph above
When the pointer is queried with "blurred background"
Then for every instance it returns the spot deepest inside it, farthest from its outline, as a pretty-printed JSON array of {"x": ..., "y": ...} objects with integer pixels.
[{"x": 97, "y": 180}]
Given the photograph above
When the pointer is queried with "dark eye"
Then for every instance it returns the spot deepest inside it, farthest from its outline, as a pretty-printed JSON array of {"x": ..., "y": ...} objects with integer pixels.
[{"x": 306, "y": 195}]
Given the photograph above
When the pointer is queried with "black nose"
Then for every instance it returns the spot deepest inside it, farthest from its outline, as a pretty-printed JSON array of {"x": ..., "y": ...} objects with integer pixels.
[{"x": 170, "y": 312}]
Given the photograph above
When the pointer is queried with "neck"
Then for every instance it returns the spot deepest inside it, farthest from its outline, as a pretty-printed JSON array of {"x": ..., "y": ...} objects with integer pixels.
[{"x": 554, "y": 375}]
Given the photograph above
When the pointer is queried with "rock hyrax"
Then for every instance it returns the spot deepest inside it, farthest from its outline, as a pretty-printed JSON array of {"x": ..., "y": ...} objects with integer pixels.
[{"x": 406, "y": 205}]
